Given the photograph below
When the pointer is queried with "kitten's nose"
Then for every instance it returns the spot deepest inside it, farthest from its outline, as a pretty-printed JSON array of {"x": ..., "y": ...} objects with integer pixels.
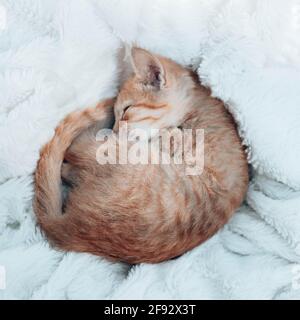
[
  {"x": 120, "y": 125},
  {"x": 116, "y": 127}
]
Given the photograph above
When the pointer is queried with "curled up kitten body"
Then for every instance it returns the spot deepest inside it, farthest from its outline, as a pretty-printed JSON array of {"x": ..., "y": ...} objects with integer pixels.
[{"x": 141, "y": 212}]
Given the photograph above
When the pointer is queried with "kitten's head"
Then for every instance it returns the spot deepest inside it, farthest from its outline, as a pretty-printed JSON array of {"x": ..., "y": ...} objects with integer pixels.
[{"x": 157, "y": 94}]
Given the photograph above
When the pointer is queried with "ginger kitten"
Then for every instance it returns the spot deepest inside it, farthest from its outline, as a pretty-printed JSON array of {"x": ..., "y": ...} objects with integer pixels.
[{"x": 142, "y": 212}]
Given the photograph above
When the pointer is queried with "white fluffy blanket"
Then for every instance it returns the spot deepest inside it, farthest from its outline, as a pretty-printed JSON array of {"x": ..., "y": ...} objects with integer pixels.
[{"x": 60, "y": 55}]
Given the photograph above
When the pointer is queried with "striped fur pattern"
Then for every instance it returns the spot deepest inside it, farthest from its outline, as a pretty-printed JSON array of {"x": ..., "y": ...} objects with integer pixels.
[{"x": 141, "y": 213}]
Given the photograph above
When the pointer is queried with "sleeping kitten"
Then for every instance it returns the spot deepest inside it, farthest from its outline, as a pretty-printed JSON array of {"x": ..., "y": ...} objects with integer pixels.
[{"x": 141, "y": 213}]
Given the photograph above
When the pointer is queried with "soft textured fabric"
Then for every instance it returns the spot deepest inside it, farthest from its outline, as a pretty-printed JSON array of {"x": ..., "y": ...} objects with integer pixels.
[{"x": 58, "y": 55}]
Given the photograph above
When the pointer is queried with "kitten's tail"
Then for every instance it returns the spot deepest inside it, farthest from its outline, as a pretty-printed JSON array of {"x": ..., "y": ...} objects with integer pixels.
[{"x": 48, "y": 196}]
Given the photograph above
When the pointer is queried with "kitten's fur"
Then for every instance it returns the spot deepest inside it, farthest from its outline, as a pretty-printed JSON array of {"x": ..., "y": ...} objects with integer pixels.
[{"x": 141, "y": 213}]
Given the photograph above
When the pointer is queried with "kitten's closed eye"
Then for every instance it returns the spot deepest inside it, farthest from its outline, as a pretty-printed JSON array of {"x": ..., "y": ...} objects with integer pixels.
[
  {"x": 124, "y": 111},
  {"x": 126, "y": 108}
]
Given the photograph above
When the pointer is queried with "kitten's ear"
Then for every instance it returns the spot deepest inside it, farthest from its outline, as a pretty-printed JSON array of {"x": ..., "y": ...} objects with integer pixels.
[{"x": 148, "y": 68}]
